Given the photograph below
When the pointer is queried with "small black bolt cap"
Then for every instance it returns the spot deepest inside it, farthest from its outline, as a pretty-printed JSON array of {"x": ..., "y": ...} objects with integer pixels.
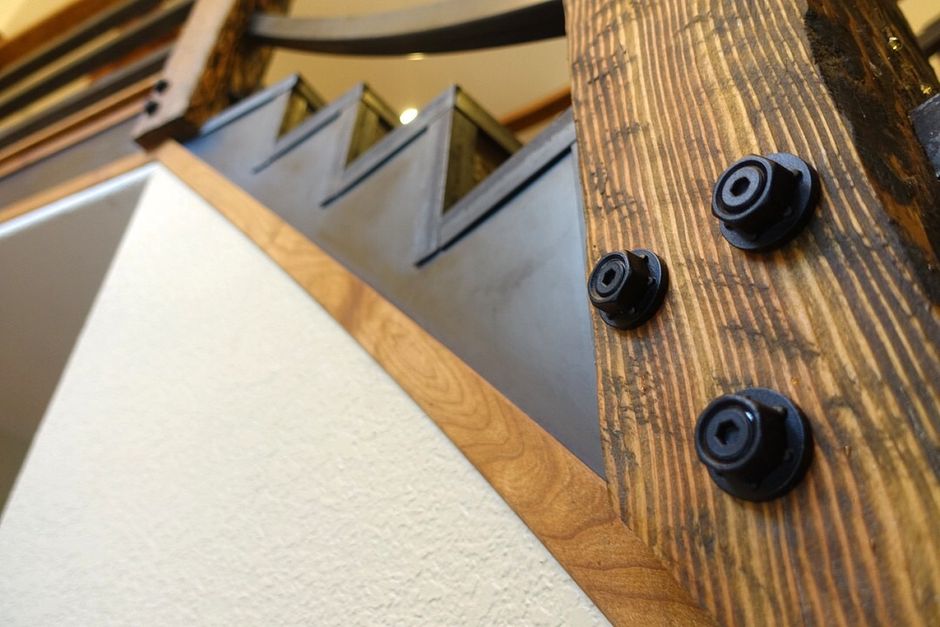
[
  {"x": 763, "y": 202},
  {"x": 756, "y": 443},
  {"x": 161, "y": 85},
  {"x": 627, "y": 287},
  {"x": 151, "y": 106}
]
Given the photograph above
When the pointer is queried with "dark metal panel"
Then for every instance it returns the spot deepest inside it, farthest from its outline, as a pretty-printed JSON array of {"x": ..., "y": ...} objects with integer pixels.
[
  {"x": 926, "y": 119},
  {"x": 506, "y": 292},
  {"x": 508, "y": 298},
  {"x": 247, "y": 106},
  {"x": 257, "y": 121},
  {"x": 439, "y": 27},
  {"x": 429, "y": 116},
  {"x": 455, "y": 148},
  {"x": 374, "y": 120},
  {"x": 516, "y": 173}
]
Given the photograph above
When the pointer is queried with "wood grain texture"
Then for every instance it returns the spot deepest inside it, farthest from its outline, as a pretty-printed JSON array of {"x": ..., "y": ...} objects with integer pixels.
[
  {"x": 39, "y": 34},
  {"x": 876, "y": 74},
  {"x": 211, "y": 66},
  {"x": 115, "y": 168},
  {"x": 559, "y": 498},
  {"x": 667, "y": 95}
]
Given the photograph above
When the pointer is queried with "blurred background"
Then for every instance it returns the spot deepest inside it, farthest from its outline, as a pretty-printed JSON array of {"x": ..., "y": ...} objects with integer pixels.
[{"x": 508, "y": 82}]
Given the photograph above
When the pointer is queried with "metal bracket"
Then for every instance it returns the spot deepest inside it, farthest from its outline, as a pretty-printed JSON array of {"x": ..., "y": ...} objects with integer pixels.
[{"x": 926, "y": 119}]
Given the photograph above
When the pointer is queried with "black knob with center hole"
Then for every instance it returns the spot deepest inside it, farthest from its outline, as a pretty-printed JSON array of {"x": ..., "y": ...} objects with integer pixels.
[
  {"x": 627, "y": 287},
  {"x": 762, "y": 202},
  {"x": 755, "y": 443}
]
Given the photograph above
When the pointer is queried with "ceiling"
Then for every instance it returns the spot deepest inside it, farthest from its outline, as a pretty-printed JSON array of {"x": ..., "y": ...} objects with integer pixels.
[{"x": 503, "y": 80}]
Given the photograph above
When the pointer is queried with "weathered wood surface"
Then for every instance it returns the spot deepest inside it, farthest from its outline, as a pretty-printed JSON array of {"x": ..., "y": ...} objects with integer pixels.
[
  {"x": 559, "y": 498},
  {"x": 666, "y": 95},
  {"x": 212, "y": 65}
]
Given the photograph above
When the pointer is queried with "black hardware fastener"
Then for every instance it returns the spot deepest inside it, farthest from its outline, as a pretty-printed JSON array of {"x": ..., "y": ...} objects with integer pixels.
[
  {"x": 756, "y": 443},
  {"x": 763, "y": 202},
  {"x": 627, "y": 287}
]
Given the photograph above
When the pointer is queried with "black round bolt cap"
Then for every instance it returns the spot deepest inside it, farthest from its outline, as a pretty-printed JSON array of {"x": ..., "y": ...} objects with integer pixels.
[
  {"x": 756, "y": 443},
  {"x": 763, "y": 202},
  {"x": 627, "y": 287}
]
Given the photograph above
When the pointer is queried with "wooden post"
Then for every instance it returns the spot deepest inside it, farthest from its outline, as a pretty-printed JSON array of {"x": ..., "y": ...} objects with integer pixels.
[
  {"x": 212, "y": 64},
  {"x": 666, "y": 96}
]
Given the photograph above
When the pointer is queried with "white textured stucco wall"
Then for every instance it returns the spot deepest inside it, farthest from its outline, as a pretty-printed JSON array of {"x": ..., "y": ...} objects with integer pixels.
[
  {"x": 53, "y": 261},
  {"x": 219, "y": 451}
]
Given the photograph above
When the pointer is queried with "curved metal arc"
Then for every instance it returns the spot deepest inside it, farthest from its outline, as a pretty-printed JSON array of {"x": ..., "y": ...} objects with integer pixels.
[{"x": 449, "y": 26}]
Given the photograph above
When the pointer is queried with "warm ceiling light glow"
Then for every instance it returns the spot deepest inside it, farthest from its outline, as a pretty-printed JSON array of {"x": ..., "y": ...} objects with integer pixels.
[
  {"x": 408, "y": 115},
  {"x": 415, "y": 56}
]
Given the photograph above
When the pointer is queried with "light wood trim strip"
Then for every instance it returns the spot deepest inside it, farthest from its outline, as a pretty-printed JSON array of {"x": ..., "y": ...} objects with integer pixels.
[
  {"x": 558, "y": 497},
  {"x": 77, "y": 184}
]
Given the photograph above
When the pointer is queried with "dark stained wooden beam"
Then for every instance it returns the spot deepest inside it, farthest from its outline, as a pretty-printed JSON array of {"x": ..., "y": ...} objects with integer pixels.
[
  {"x": 842, "y": 319},
  {"x": 875, "y": 73}
]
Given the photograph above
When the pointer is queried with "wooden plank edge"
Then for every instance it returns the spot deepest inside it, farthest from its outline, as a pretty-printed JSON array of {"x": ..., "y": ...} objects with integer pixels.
[
  {"x": 40, "y": 151},
  {"x": 200, "y": 73},
  {"x": 564, "y": 504},
  {"x": 135, "y": 93},
  {"x": 538, "y": 112},
  {"x": 74, "y": 129},
  {"x": 40, "y": 33},
  {"x": 77, "y": 184}
]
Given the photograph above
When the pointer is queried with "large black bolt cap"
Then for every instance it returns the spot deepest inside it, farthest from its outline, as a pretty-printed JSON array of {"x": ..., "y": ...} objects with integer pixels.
[
  {"x": 627, "y": 287},
  {"x": 756, "y": 443},
  {"x": 763, "y": 202}
]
